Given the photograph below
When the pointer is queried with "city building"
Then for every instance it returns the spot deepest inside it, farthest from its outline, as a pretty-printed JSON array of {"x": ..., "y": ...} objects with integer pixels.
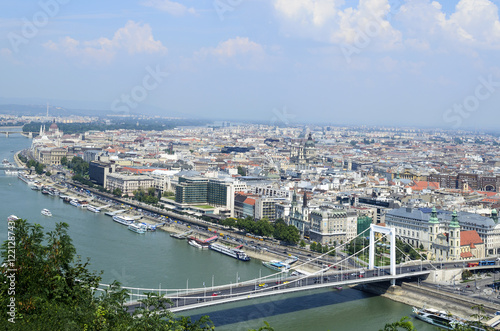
[
  {"x": 329, "y": 225},
  {"x": 302, "y": 155},
  {"x": 127, "y": 184},
  {"x": 420, "y": 227},
  {"x": 98, "y": 171}
]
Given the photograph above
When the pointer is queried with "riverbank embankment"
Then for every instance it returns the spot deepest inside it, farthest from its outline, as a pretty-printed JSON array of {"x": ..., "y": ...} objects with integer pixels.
[{"x": 428, "y": 296}]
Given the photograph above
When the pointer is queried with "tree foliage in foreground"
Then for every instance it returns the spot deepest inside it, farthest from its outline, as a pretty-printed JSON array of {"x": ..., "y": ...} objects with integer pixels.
[
  {"x": 54, "y": 289},
  {"x": 403, "y": 324}
]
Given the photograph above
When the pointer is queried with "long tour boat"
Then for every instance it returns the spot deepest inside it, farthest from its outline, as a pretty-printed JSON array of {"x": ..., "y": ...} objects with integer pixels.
[
  {"x": 232, "y": 252},
  {"x": 123, "y": 220},
  {"x": 442, "y": 319}
]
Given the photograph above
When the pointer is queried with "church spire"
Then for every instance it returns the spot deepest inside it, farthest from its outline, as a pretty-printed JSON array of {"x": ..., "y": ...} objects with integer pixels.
[
  {"x": 433, "y": 219},
  {"x": 454, "y": 220}
]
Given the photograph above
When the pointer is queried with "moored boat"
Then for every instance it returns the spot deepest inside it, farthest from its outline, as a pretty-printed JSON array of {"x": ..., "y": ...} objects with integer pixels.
[
  {"x": 137, "y": 228},
  {"x": 277, "y": 265},
  {"x": 194, "y": 244},
  {"x": 232, "y": 252},
  {"x": 74, "y": 202},
  {"x": 441, "y": 319},
  {"x": 198, "y": 243},
  {"x": 46, "y": 212},
  {"x": 123, "y": 220},
  {"x": 93, "y": 209}
]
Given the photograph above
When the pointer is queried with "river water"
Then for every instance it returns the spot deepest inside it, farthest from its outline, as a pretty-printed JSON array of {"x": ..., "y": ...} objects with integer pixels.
[{"x": 155, "y": 260}]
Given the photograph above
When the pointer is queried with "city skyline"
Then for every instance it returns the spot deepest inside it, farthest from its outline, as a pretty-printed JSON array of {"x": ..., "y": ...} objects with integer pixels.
[{"x": 405, "y": 63}]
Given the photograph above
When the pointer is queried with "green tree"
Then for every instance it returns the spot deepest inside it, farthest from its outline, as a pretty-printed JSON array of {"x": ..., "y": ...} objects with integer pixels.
[
  {"x": 64, "y": 161},
  {"x": 302, "y": 243},
  {"x": 264, "y": 228},
  {"x": 403, "y": 324},
  {"x": 466, "y": 274},
  {"x": 312, "y": 246},
  {"x": 241, "y": 171},
  {"x": 117, "y": 192},
  {"x": 55, "y": 291}
]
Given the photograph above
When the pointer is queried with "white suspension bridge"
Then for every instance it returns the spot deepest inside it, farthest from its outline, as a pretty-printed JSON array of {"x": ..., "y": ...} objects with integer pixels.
[{"x": 347, "y": 270}]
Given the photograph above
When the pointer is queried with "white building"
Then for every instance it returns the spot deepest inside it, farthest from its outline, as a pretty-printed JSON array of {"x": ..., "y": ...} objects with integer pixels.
[
  {"x": 413, "y": 226},
  {"x": 333, "y": 225},
  {"x": 128, "y": 183}
]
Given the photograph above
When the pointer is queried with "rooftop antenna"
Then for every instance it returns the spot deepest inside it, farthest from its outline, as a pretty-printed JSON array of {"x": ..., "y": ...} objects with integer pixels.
[{"x": 47, "y": 110}]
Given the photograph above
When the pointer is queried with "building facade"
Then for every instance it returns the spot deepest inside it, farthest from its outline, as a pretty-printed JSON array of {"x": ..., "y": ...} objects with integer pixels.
[
  {"x": 128, "y": 183},
  {"x": 420, "y": 228},
  {"x": 330, "y": 225}
]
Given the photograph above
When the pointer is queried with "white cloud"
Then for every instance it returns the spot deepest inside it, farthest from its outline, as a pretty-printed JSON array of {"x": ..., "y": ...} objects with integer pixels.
[
  {"x": 474, "y": 23},
  {"x": 133, "y": 38},
  {"x": 423, "y": 24},
  {"x": 240, "y": 52},
  {"x": 171, "y": 7},
  {"x": 233, "y": 47},
  {"x": 327, "y": 21}
]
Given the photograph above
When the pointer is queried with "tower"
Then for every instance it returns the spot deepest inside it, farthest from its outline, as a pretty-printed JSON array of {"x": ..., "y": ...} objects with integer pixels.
[
  {"x": 294, "y": 203},
  {"x": 494, "y": 215},
  {"x": 454, "y": 237},
  {"x": 433, "y": 225}
]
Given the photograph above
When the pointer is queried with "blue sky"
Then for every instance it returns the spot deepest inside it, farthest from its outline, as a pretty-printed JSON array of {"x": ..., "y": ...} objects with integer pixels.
[{"x": 383, "y": 62}]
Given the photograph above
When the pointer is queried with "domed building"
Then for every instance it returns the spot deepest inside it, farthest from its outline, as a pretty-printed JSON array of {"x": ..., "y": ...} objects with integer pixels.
[
  {"x": 54, "y": 130},
  {"x": 303, "y": 155}
]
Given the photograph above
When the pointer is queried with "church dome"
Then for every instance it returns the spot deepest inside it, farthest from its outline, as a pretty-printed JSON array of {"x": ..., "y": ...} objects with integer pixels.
[
  {"x": 310, "y": 141},
  {"x": 53, "y": 126}
]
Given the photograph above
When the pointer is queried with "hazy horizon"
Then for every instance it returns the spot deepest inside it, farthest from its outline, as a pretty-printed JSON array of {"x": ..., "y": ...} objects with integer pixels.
[{"x": 412, "y": 63}]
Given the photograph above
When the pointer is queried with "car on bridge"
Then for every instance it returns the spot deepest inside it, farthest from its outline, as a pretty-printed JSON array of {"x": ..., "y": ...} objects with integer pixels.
[{"x": 216, "y": 293}]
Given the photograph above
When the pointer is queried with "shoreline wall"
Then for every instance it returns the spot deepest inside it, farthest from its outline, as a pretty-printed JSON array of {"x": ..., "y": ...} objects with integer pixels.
[{"x": 420, "y": 296}]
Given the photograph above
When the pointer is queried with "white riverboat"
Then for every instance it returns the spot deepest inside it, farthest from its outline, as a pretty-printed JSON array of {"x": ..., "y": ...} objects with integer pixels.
[
  {"x": 93, "y": 209},
  {"x": 194, "y": 244},
  {"x": 232, "y": 252},
  {"x": 442, "y": 319},
  {"x": 137, "y": 228},
  {"x": 123, "y": 220},
  {"x": 75, "y": 203},
  {"x": 277, "y": 266},
  {"x": 46, "y": 212}
]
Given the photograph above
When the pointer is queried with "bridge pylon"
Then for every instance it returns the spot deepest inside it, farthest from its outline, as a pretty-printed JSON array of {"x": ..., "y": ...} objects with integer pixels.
[{"x": 392, "y": 240}]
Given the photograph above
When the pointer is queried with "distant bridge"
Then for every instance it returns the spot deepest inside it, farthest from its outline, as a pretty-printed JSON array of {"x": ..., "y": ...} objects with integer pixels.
[
  {"x": 12, "y": 168},
  {"x": 26, "y": 134}
]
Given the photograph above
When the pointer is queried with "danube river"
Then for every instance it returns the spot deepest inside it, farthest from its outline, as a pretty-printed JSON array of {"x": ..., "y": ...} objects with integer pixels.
[{"x": 155, "y": 260}]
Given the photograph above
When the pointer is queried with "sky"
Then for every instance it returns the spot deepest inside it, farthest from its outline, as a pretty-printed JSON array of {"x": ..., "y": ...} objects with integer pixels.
[{"x": 366, "y": 62}]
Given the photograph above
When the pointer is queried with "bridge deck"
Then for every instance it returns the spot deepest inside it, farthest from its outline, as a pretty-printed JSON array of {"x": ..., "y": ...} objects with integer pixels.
[{"x": 247, "y": 291}]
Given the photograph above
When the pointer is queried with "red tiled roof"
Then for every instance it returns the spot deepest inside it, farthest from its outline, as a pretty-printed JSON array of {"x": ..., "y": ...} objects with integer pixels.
[
  {"x": 466, "y": 254},
  {"x": 469, "y": 238},
  {"x": 249, "y": 201},
  {"x": 422, "y": 185}
]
